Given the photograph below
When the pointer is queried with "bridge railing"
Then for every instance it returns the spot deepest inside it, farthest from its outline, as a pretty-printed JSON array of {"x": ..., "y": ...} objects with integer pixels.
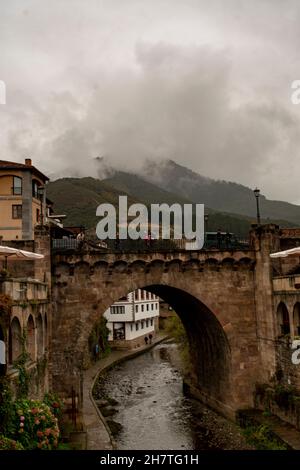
[{"x": 138, "y": 245}]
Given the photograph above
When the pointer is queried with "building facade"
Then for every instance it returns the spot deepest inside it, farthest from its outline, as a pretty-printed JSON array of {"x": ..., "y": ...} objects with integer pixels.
[
  {"x": 132, "y": 319},
  {"x": 22, "y": 199}
]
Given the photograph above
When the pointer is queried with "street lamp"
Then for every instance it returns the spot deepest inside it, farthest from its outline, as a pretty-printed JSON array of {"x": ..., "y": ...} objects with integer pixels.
[
  {"x": 41, "y": 192},
  {"x": 257, "y": 194}
]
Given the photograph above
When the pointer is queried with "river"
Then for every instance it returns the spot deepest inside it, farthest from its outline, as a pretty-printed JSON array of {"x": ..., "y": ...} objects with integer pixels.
[{"x": 153, "y": 412}]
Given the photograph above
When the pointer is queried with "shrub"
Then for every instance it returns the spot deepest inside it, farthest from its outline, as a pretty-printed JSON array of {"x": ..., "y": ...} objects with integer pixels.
[
  {"x": 35, "y": 425},
  {"x": 55, "y": 404},
  {"x": 9, "y": 444}
]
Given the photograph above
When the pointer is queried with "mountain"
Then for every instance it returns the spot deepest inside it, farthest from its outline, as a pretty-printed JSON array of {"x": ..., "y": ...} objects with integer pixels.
[
  {"x": 143, "y": 190},
  {"x": 79, "y": 198},
  {"x": 221, "y": 196}
]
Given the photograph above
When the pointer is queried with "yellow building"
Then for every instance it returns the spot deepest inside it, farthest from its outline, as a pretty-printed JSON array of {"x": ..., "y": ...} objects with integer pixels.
[{"x": 22, "y": 199}]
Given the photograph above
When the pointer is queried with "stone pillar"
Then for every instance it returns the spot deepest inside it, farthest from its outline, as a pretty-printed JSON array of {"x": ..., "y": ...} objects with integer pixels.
[
  {"x": 42, "y": 245},
  {"x": 265, "y": 240}
]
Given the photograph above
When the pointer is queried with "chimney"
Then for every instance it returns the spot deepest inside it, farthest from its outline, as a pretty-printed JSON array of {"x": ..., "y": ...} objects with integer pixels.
[{"x": 28, "y": 162}]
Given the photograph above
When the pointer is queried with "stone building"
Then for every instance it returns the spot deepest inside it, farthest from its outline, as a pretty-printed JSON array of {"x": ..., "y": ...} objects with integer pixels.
[
  {"x": 22, "y": 199},
  {"x": 25, "y": 307}
]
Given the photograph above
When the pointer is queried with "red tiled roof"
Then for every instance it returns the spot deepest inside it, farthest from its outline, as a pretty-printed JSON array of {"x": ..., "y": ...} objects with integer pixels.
[{"x": 6, "y": 165}]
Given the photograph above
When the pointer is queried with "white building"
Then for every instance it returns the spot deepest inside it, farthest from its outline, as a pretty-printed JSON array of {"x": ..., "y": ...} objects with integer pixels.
[{"x": 132, "y": 318}]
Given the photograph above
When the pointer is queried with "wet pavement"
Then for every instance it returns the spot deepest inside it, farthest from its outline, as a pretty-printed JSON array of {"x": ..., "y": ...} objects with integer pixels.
[{"x": 151, "y": 412}]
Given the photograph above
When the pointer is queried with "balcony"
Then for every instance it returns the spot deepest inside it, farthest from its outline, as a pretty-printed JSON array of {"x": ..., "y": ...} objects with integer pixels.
[{"x": 287, "y": 283}]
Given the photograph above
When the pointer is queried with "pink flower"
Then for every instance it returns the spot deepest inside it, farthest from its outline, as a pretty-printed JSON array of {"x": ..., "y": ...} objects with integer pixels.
[
  {"x": 47, "y": 432},
  {"x": 39, "y": 433},
  {"x": 21, "y": 425},
  {"x": 43, "y": 417},
  {"x": 22, "y": 418},
  {"x": 36, "y": 421}
]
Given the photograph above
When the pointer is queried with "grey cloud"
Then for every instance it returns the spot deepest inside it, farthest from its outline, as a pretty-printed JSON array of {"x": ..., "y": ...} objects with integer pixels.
[{"x": 203, "y": 83}]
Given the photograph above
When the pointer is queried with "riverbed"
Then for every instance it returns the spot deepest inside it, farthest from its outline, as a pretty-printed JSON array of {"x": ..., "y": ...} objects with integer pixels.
[{"x": 152, "y": 412}]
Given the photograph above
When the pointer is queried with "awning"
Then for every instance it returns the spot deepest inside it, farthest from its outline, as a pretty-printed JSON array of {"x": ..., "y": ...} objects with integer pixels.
[
  {"x": 286, "y": 253},
  {"x": 15, "y": 254}
]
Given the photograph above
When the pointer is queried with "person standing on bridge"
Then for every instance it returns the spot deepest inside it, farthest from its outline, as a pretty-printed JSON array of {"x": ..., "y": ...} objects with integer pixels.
[{"x": 227, "y": 240}]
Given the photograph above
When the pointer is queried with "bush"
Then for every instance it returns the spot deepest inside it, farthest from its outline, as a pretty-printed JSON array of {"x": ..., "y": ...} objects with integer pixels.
[
  {"x": 55, "y": 404},
  {"x": 262, "y": 438},
  {"x": 9, "y": 444},
  {"x": 35, "y": 425}
]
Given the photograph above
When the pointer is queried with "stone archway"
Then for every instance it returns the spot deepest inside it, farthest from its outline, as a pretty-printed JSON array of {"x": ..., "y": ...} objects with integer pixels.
[
  {"x": 40, "y": 336},
  {"x": 15, "y": 340},
  {"x": 31, "y": 338},
  {"x": 213, "y": 296},
  {"x": 283, "y": 320}
]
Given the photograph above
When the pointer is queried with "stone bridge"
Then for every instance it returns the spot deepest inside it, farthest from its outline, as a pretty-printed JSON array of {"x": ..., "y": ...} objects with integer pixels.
[{"x": 223, "y": 298}]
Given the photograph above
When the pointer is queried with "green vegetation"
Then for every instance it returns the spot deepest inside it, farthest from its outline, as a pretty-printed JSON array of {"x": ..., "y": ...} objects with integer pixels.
[
  {"x": 219, "y": 195},
  {"x": 28, "y": 424},
  {"x": 262, "y": 438},
  {"x": 175, "y": 328},
  {"x": 98, "y": 340},
  {"x": 284, "y": 396},
  {"x": 230, "y": 206}
]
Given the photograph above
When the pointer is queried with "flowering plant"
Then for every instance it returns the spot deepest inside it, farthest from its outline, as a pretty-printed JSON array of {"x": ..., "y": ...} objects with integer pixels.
[
  {"x": 55, "y": 404},
  {"x": 35, "y": 425}
]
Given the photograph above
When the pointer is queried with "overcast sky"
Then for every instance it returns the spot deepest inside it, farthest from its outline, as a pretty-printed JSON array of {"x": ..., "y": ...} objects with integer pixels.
[{"x": 206, "y": 83}]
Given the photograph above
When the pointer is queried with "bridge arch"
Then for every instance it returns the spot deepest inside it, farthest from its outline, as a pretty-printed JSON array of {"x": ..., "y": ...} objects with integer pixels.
[
  {"x": 214, "y": 300},
  {"x": 209, "y": 343}
]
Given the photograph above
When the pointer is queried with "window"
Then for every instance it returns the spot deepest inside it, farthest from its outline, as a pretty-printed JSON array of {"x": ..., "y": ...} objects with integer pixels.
[
  {"x": 17, "y": 211},
  {"x": 147, "y": 307},
  {"x": 136, "y": 308},
  {"x": 142, "y": 307},
  {"x": 137, "y": 326},
  {"x": 142, "y": 325},
  {"x": 35, "y": 189},
  {"x": 38, "y": 215},
  {"x": 147, "y": 323},
  {"x": 152, "y": 306},
  {"x": 17, "y": 185},
  {"x": 151, "y": 321},
  {"x": 117, "y": 309}
]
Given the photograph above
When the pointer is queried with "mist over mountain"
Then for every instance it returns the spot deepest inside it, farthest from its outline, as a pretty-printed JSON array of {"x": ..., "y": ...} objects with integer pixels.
[
  {"x": 79, "y": 198},
  {"x": 219, "y": 195}
]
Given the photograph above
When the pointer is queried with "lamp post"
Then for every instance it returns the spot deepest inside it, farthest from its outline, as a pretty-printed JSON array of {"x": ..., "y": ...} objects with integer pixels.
[
  {"x": 41, "y": 192},
  {"x": 257, "y": 194}
]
